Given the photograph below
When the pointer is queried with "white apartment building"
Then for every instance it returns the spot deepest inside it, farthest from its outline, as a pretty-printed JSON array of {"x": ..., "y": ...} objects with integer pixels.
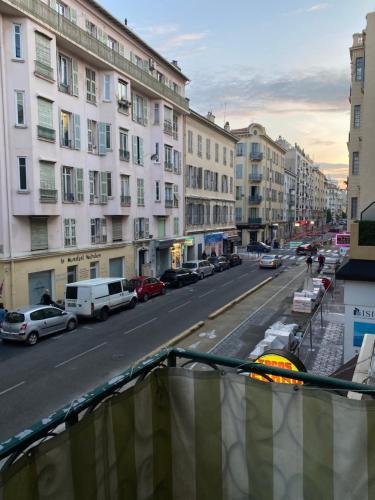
[
  {"x": 334, "y": 199},
  {"x": 91, "y": 145},
  {"x": 290, "y": 184},
  {"x": 319, "y": 196},
  {"x": 209, "y": 187}
]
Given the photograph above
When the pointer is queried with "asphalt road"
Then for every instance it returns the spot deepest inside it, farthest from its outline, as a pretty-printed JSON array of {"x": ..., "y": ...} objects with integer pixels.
[{"x": 34, "y": 381}]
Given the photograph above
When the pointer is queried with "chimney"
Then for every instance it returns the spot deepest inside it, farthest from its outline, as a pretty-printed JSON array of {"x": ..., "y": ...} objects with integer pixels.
[
  {"x": 227, "y": 127},
  {"x": 211, "y": 117},
  {"x": 175, "y": 63}
]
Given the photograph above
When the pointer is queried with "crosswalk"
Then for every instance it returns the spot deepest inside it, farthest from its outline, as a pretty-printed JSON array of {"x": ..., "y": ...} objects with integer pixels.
[{"x": 291, "y": 256}]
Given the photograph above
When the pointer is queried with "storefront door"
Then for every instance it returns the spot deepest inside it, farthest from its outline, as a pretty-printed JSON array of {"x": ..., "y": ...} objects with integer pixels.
[{"x": 38, "y": 282}]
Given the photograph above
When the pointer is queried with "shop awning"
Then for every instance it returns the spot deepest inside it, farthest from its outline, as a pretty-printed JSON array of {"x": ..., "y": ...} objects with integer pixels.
[
  {"x": 162, "y": 244},
  {"x": 356, "y": 270},
  {"x": 231, "y": 235}
]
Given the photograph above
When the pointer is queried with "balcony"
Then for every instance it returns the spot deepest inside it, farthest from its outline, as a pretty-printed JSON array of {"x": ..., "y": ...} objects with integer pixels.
[
  {"x": 124, "y": 155},
  {"x": 175, "y": 132},
  {"x": 126, "y": 200},
  {"x": 254, "y": 220},
  {"x": 48, "y": 195},
  {"x": 168, "y": 128},
  {"x": 48, "y": 134},
  {"x": 43, "y": 70},
  {"x": 256, "y": 156},
  {"x": 123, "y": 105},
  {"x": 255, "y": 177},
  {"x": 168, "y": 166},
  {"x": 255, "y": 199},
  {"x": 168, "y": 203}
]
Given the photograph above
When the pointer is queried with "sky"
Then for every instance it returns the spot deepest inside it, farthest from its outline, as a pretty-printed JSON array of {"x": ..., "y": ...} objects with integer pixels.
[{"x": 282, "y": 63}]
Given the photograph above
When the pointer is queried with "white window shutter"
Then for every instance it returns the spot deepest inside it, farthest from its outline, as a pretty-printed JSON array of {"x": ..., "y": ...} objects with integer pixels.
[
  {"x": 141, "y": 151},
  {"x": 135, "y": 149},
  {"x": 92, "y": 186},
  {"x": 77, "y": 131},
  {"x": 121, "y": 49},
  {"x": 103, "y": 187},
  {"x": 145, "y": 119},
  {"x": 102, "y": 141},
  {"x": 79, "y": 184},
  {"x": 53, "y": 4},
  {"x": 136, "y": 229},
  {"x": 75, "y": 83},
  {"x": 73, "y": 15},
  {"x": 147, "y": 228}
]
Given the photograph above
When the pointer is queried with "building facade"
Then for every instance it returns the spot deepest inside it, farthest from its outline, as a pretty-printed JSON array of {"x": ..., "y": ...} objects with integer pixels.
[
  {"x": 91, "y": 147},
  {"x": 334, "y": 199},
  {"x": 290, "y": 184},
  {"x": 209, "y": 187},
  {"x": 319, "y": 196}
]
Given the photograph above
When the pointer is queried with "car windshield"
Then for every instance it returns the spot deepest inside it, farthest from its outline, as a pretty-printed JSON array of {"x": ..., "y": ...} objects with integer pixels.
[
  {"x": 268, "y": 257},
  {"x": 190, "y": 265},
  {"x": 136, "y": 283},
  {"x": 15, "y": 317}
]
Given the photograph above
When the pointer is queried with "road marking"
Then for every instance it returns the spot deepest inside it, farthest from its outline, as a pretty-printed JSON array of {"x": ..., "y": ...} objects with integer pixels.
[
  {"x": 140, "y": 326},
  {"x": 178, "y": 307},
  {"x": 228, "y": 283},
  {"x": 81, "y": 354},
  {"x": 285, "y": 257},
  {"x": 301, "y": 258},
  {"x": 242, "y": 275},
  {"x": 87, "y": 328},
  {"x": 292, "y": 257},
  {"x": 11, "y": 388},
  {"x": 207, "y": 293}
]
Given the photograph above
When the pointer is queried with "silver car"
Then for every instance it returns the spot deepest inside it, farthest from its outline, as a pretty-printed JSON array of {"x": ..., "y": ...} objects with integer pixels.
[
  {"x": 29, "y": 323},
  {"x": 200, "y": 267}
]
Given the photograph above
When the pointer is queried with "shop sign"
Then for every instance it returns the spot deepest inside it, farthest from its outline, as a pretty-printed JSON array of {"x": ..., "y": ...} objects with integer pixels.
[
  {"x": 213, "y": 238},
  {"x": 80, "y": 258},
  {"x": 189, "y": 242},
  {"x": 364, "y": 313},
  {"x": 280, "y": 359},
  {"x": 343, "y": 240}
]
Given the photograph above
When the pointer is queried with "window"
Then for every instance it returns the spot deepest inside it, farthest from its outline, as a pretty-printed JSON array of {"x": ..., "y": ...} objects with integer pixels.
[
  {"x": 239, "y": 171},
  {"x": 175, "y": 127},
  {"x": 161, "y": 227},
  {"x": 43, "y": 55},
  {"x": 139, "y": 105},
  {"x": 116, "y": 236},
  {"x": 22, "y": 173},
  {"x": 137, "y": 150},
  {"x": 122, "y": 91},
  {"x": 238, "y": 193},
  {"x": 112, "y": 44},
  {"x": 39, "y": 233},
  {"x": 109, "y": 184},
  {"x": 98, "y": 186},
  {"x": 107, "y": 87},
  {"x": 157, "y": 190},
  {"x": 176, "y": 226},
  {"x": 199, "y": 144},
  {"x": 141, "y": 228},
  {"x": 355, "y": 163},
  {"x": 168, "y": 161},
  {"x": 240, "y": 149},
  {"x": 45, "y": 124},
  {"x": 47, "y": 176},
  {"x": 90, "y": 85},
  {"x": 94, "y": 270},
  {"x": 176, "y": 196},
  {"x": 17, "y": 41},
  {"x": 67, "y": 75},
  {"x": 91, "y": 28},
  {"x": 231, "y": 185},
  {"x": 176, "y": 162},
  {"x": 354, "y": 207},
  {"x": 231, "y": 158},
  {"x": 70, "y": 239},
  {"x": 108, "y": 136},
  {"x": 65, "y": 129},
  {"x": 140, "y": 192},
  {"x": 98, "y": 137},
  {"x": 98, "y": 231},
  {"x": 224, "y": 183},
  {"x": 20, "y": 108},
  {"x": 72, "y": 184},
  {"x": 168, "y": 117},
  {"x": 359, "y": 68},
  {"x": 224, "y": 155},
  {"x": 238, "y": 214},
  {"x": 190, "y": 141},
  {"x": 357, "y": 116},
  {"x": 208, "y": 149},
  {"x": 71, "y": 274},
  {"x": 124, "y": 145},
  {"x": 168, "y": 194},
  {"x": 156, "y": 113},
  {"x": 216, "y": 152}
]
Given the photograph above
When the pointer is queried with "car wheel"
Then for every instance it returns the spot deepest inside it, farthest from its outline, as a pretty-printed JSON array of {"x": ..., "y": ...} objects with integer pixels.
[
  {"x": 201, "y": 276},
  {"x": 103, "y": 316},
  {"x": 72, "y": 325},
  {"x": 132, "y": 303},
  {"x": 32, "y": 339},
  {"x": 145, "y": 297}
]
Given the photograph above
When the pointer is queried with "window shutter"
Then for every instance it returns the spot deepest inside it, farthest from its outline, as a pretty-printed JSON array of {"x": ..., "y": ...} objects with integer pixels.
[
  {"x": 39, "y": 233},
  {"x": 53, "y": 5},
  {"x": 147, "y": 228},
  {"x": 136, "y": 229},
  {"x": 135, "y": 149},
  {"x": 100, "y": 34},
  {"x": 116, "y": 228},
  {"x": 75, "y": 84},
  {"x": 121, "y": 49},
  {"x": 43, "y": 49},
  {"x": 79, "y": 184},
  {"x": 73, "y": 15},
  {"x": 134, "y": 108},
  {"x": 60, "y": 128},
  {"x": 140, "y": 151},
  {"x": 145, "y": 119},
  {"x": 146, "y": 65},
  {"x": 77, "y": 131},
  {"x": 103, "y": 230},
  {"x": 105, "y": 38},
  {"x": 102, "y": 142},
  {"x": 132, "y": 58},
  {"x": 103, "y": 187},
  {"x": 92, "y": 186}
]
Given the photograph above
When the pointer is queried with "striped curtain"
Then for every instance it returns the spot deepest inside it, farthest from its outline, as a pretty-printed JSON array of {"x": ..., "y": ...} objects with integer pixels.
[{"x": 188, "y": 435}]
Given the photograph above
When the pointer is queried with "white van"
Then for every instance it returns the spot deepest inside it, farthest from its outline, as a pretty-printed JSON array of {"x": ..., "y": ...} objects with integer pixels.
[{"x": 95, "y": 298}]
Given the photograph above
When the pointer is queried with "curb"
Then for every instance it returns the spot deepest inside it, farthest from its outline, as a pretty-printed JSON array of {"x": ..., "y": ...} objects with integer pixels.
[{"x": 238, "y": 299}]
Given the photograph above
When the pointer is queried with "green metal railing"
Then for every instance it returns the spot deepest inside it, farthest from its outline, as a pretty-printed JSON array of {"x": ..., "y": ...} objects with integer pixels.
[
  {"x": 62, "y": 26},
  {"x": 70, "y": 414}
]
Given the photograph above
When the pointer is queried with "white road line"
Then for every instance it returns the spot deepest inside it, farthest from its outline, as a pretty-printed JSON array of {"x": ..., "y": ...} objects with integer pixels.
[
  {"x": 179, "y": 307},
  {"x": 244, "y": 274},
  {"x": 11, "y": 388},
  {"x": 81, "y": 354},
  {"x": 227, "y": 283},
  {"x": 140, "y": 326},
  {"x": 87, "y": 328},
  {"x": 292, "y": 257},
  {"x": 301, "y": 258},
  {"x": 285, "y": 257},
  {"x": 328, "y": 251},
  {"x": 207, "y": 293}
]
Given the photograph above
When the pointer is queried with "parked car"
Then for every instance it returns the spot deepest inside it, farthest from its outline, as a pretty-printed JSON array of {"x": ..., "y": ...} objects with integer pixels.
[
  {"x": 219, "y": 263},
  {"x": 178, "y": 277},
  {"x": 258, "y": 247},
  {"x": 233, "y": 259},
  {"x": 147, "y": 287},
  {"x": 307, "y": 249},
  {"x": 270, "y": 261},
  {"x": 201, "y": 267},
  {"x": 97, "y": 297},
  {"x": 27, "y": 324}
]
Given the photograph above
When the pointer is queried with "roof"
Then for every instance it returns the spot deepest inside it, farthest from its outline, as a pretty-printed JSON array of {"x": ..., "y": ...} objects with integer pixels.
[
  {"x": 206, "y": 121},
  {"x": 95, "y": 281},
  {"x": 135, "y": 37},
  {"x": 240, "y": 132},
  {"x": 356, "y": 270}
]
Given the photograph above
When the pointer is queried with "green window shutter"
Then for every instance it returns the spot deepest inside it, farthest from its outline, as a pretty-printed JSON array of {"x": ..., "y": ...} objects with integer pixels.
[
  {"x": 79, "y": 184},
  {"x": 53, "y": 4},
  {"x": 100, "y": 34},
  {"x": 73, "y": 15},
  {"x": 132, "y": 58},
  {"x": 105, "y": 38},
  {"x": 102, "y": 142},
  {"x": 75, "y": 83},
  {"x": 47, "y": 175},
  {"x": 77, "y": 131},
  {"x": 43, "y": 49},
  {"x": 145, "y": 120},
  {"x": 39, "y": 233},
  {"x": 44, "y": 113},
  {"x": 141, "y": 151},
  {"x": 147, "y": 228},
  {"x": 135, "y": 149},
  {"x": 92, "y": 186},
  {"x": 136, "y": 229},
  {"x": 103, "y": 187}
]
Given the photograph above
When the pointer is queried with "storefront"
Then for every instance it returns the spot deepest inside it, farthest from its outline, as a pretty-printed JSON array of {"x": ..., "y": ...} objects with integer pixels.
[
  {"x": 213, "y": 243},
  {"x": 230, "y": 241},
  {"x": 189, "y": 247}
]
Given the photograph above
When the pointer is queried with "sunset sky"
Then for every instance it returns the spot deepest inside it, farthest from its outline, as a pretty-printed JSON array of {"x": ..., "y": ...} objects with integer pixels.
[{"x": 284, "y": 64}]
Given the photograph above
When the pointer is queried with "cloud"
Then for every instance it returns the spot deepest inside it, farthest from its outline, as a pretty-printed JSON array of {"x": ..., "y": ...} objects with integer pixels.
[
  {"x": 317, "y": 7},
  {"x": 319, "y": 142},
  {"x": 338, "y": 171},
  {"x": 181, "y": 40},
  {"x": 157, "y": 30}
]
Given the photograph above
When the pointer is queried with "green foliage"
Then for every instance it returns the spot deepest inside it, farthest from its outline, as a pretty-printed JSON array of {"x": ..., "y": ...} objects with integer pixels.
[{"x": 366, "y": 236}]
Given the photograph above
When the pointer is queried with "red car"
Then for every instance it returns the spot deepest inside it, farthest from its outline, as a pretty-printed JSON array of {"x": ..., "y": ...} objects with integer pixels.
[{"x": 146, "y": 287}]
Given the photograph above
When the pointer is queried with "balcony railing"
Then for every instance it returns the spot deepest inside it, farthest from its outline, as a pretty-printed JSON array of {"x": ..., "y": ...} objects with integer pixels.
[
  {"x": 69, "y": 197},
  {"x": 168, "y": 129},
  {"x": 168, "y": 166},
  {"x": 48, "y": 195},
  {"x": 124, "y": 155},
  {"x": 255, "y": 177},
  {"x": 255, "y": 199},
  {"x": 254, "y": 220},
  {"x": 46, "y": 133},
  {"x": 168, "y": 203},
  {"x": 43, "y": 70},
  {"x": 75, "y": 34},
  {"x": 256, "y": 156},
  {"x": 126, "y": 200}
]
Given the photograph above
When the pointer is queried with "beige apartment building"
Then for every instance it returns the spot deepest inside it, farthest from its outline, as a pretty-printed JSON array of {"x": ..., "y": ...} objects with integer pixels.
[
  {"x": 319, "y": 197},
  {"x": 260, "y": 172},
  {"x": 209, "y": 187},
  {"x": 361, "y": 144}
]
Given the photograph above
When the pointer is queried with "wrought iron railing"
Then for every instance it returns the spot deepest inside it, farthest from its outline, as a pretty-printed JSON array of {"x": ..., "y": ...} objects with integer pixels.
[
  {"x": 126, "y": 200},
  {"x": 48, "y": 195}
]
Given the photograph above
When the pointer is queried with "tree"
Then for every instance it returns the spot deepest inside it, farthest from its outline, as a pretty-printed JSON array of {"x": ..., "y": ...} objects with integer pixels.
[
  {"x": 329, "y": 216},
  {"x": 343, "y": 214}
]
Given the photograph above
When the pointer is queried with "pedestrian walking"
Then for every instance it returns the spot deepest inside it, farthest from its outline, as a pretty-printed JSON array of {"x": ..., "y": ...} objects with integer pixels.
[
  {"x": 204, "y": 255},
  {"x": 321, "y": 260},
  {"x": 309, "y": 262}
]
